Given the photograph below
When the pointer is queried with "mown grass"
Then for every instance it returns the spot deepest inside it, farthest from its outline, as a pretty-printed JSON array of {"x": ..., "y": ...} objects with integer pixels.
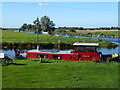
[
  {"x": 60, "y": 74},
  {"x": 19, "y": 37}
]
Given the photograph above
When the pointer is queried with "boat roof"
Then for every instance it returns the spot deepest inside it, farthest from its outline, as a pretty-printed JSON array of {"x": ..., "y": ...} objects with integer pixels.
[
  {"x": 86, "y": 44},
  {"x": 52, "y": 51}
]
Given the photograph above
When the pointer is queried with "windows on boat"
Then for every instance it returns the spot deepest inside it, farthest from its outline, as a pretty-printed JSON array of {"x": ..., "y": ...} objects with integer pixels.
[
  {"x": 56, "y": 57},
  {"x": 41, "y": 56},
  {"x": 84, "y": 49},
  {"x": 30, "y": 55},
  {"x": 71, "y": 57}
]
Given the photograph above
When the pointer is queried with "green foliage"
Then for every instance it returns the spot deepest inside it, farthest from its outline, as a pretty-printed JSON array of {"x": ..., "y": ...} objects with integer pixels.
[
  {"x": 44, "y": 60},
  {"x": 72, "y": 30},
  {"x": 24, "y": 26},
  {"x": 60, "y": 74},
  {"x": 37, "y": 25},
  {"x": 47, "y": 25}
]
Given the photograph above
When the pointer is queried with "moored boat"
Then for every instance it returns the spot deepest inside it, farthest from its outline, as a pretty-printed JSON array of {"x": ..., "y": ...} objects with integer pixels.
[{"x": 80, "y": 52}]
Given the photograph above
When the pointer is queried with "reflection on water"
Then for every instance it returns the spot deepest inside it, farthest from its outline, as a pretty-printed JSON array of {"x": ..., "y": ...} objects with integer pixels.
[{"x": 109, "y": 51}]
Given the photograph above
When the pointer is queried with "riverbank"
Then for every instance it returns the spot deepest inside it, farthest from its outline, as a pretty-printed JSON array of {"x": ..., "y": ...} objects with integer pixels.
[
  {"x": 92, "y": 33},
  {"x": 10, "y": 38},
  {"x": 59, "y": 74}
]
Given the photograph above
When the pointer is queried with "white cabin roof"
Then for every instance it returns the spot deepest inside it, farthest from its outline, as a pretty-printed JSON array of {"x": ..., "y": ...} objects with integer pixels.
[{"x": 86, "y": 44}]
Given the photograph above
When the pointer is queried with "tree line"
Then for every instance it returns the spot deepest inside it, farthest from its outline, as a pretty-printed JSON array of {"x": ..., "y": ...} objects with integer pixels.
[
  {"x": 46, "y": 25},
  {"x": 82, "y": 28}
]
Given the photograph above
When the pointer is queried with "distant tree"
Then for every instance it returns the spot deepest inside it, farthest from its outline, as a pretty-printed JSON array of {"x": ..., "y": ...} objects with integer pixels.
[
  {"x": 47, "y": 25},
  {"x": 29, "y": 26},
  {"x": 37, "y": 30},
  {"x": 24, "y": 26},
  {"x": 72, "y": 30},
  {"x": 33, "y": 27},
  {"x": 81, "y": 28}
]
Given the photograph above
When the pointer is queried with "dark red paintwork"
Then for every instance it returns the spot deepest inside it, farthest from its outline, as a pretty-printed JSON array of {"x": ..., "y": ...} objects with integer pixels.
[
  {"x": 80, "y": 52},
  {"x": 49, "y": 56}
]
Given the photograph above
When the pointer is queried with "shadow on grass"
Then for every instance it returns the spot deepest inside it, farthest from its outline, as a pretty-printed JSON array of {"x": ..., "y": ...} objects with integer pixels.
[
  {"x": 5, "y": 64},
  {"x": 18, "y": 64}
]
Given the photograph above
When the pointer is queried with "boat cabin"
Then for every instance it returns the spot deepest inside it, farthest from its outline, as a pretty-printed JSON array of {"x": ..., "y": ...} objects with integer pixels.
[
  {"x": 86, "y": 51},
  {"x": 85, "y": 47},
  {"x": 80, "y": 52}
]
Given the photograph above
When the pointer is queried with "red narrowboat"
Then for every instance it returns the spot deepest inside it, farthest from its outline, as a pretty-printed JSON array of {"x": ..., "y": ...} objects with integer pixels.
[{"x": 80, "y": 52}]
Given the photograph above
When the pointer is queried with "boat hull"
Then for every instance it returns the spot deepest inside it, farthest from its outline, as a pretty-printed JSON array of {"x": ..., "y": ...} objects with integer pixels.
[{"x": 67, "y": 57}]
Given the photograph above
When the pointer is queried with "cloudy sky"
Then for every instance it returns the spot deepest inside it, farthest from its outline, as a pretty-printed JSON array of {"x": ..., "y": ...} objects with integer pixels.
[{"x": 81, "y": 14}]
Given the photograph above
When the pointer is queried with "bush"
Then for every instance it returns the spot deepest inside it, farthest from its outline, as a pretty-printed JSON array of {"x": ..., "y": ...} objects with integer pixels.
[
  {"x": 44, "y": 60},
  {"x": 72, "y": 30}
]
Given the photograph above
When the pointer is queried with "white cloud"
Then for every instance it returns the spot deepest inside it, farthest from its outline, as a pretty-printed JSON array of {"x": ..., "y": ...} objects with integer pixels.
[{"x": 42, "y": 4}]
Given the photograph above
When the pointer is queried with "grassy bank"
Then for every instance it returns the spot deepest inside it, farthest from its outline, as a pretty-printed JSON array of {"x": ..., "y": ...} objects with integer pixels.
[
  {"x": 113, "y": 34},
  {"x": 19, "y": 37},
  {"x": 59, "y": 74},
  {"x": 93, "y": 33}
]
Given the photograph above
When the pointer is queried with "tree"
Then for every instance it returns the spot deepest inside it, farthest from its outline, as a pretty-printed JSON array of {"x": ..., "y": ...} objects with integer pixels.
[
  {"x": 37, "y": 26},
  {"x": 72, "y": 30},
  {"x": 24, "y": 26},
  {"x": 29, "y": 26},
  {"x": 47, "y": 25}
]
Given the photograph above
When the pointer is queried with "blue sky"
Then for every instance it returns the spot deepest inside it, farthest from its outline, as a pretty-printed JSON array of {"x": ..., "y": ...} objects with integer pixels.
[{"x": 71, "y": 14}]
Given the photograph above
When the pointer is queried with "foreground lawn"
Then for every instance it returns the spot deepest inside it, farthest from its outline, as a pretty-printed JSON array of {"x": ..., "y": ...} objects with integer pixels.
[{"x": 60, "y": 74}]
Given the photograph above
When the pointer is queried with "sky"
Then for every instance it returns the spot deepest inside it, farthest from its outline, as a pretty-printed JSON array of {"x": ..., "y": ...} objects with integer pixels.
[{"x": 70, "y": 14}]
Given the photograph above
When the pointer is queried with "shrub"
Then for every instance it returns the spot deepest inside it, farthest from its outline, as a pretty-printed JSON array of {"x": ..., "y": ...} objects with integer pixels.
[{"x": 44, "y": 60}]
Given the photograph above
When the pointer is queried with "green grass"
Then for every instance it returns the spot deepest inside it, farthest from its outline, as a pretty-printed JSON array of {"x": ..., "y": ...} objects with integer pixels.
[
  {"x": 60, "y": 74},
  {"x": 105, "y": 33},
  {"x": 19, "y": 37},
  {"x": 90, "y": 33}
]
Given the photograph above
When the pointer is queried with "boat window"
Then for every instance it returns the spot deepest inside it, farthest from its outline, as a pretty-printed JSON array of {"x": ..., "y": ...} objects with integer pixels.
[
  {"x": 56, "y": 57},
  {"x": 41, "y": 56},
  {"x": 30, "y": 55},
  {"x": 71, "y": 57},
  {"x": 84, "y": 49}
]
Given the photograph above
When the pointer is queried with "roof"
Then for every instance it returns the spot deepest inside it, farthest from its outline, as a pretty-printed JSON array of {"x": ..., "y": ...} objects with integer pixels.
[{"x": 86, "y": 44}]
